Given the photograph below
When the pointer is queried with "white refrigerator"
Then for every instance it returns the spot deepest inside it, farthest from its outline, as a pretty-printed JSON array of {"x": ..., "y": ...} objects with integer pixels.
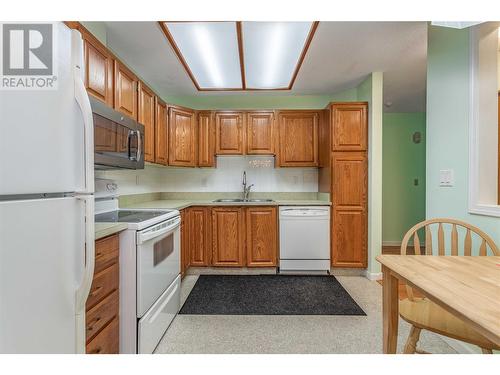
[{"x": 47, "y": 209}]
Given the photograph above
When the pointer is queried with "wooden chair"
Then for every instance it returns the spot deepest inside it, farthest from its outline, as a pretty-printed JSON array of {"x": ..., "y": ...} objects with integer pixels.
[{"x": 421, "y": 313}]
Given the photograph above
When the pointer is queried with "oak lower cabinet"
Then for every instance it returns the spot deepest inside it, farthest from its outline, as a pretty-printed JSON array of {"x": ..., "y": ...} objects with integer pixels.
[
  {"x": 298, "y": 138},
  {"x": 228, "y": 236},
  {"x": 185, "y": 234},
  {"x": 147, "y": 118},
  {"x": 182, "y": 137},
  {"x": 125, "y": 92},
  {"x": 200, "y": 236},
  {"x": 229, "y": 133},
  {"x": 102, "y": 307},
  {"x": 262, "y": 236}
]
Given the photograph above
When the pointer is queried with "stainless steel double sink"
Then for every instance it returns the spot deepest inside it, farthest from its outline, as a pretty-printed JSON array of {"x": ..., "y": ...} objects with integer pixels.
[{"x": 241, "y": 200}]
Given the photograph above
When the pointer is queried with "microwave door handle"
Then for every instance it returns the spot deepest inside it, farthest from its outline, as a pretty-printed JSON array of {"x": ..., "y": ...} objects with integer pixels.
[
  {"x": 129, "y": 134},
  {"x": 82, "y": 98},
  {"x": 139, "y": 145}
]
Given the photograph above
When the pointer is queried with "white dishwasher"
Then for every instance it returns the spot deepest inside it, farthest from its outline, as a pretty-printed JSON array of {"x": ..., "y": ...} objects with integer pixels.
[{"x": 304, "y": 238}]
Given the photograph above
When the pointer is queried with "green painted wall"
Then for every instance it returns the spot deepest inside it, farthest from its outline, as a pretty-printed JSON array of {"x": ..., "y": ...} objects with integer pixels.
[
  {"x": 98, "y": 29},
  {"x": 447, "y": 130},
  {"x": 403, "y": 203},
  {"x": 260, "y": 101}
]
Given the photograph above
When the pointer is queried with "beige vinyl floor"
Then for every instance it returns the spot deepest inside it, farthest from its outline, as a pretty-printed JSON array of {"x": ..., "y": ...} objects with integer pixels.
[{"x": 291, "y": 334}]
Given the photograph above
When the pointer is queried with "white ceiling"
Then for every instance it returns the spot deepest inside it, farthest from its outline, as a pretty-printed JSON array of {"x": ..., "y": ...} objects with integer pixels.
[{"x": 340, "y": 56}]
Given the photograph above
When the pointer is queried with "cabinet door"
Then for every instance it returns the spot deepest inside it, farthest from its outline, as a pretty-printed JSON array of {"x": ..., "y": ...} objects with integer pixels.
[
  {"x": 229, "y": 133},
  {"x": 185, "y": 234},
  {"x": 182, "y": 137},
  {"x": 206, "y": 139},
  {"x": 98, "y": 75},
  {"x": 125, "y": 90},
  {"x": 147, "y": 118},
  {"x": 161, "y": 132},
  {"x": 228, "y": 236},
  {"x": 262, "y": 236},
  {"x": 349, "y": 218},
  {"x": 350, "y": 127},
  {"x": 260, "y": 133},
  {"x": 200, "y": 247},
  {"x": 298, "y": 139}
]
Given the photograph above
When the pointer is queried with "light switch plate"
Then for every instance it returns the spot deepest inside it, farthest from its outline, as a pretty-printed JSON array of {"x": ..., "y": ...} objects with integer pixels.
[{"x": 446, "y": 177}]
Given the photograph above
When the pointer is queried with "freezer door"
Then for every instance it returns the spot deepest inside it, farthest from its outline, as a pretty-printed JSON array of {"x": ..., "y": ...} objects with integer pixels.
[
  {"x": 42, "y": 135},
  {"x": 42, "y": 262}
]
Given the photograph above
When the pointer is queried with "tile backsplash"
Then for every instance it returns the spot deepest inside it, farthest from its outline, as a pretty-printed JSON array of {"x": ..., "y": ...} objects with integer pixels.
[{"x": 226, "y": 177}]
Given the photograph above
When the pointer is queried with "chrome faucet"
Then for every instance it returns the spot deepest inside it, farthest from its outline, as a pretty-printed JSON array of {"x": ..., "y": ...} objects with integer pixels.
[{"x": 246, "y": 189}]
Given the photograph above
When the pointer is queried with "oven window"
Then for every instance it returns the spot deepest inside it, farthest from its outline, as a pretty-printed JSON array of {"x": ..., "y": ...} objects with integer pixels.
[{"x": 163, "y": 249}]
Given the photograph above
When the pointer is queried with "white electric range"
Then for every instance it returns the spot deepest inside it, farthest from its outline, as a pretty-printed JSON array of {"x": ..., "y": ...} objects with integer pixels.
[{"x": 149, "y": 269}]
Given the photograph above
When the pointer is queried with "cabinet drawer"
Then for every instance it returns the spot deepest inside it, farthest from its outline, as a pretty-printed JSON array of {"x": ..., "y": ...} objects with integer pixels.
[
  {"x": 101, "y": 314},
  {"x": 107, "y": 341},
  {"x": 103, "y": 284},
  {"x": 106, "y": 252}
]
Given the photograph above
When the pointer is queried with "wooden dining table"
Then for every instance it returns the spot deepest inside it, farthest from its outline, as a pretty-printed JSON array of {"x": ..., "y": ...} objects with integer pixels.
[{"x": 466, "y": 286}]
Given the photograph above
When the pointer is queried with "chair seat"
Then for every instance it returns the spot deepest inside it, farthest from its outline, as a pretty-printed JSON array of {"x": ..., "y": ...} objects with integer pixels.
[{"x": 425, "y": 314}]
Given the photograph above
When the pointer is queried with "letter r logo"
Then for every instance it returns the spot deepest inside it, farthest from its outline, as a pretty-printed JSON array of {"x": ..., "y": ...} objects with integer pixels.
[{"x": 27, "y": 49}]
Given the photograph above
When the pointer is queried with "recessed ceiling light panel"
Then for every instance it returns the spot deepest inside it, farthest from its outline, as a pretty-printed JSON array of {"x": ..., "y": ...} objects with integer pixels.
[
  {"x": 272, "y": 52},
  {"x": 210, "y": 51}
]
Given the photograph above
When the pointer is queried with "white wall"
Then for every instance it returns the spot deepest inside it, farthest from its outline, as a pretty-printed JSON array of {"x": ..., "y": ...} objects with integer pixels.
[
  {"x": 486, "y": 111},
  {"x": 225, "y": 178}
]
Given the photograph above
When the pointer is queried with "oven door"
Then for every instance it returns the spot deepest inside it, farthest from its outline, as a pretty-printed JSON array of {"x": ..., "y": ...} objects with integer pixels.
[
  {"x": 118, "y": 140},
  {"x": 158, "y": 261}
]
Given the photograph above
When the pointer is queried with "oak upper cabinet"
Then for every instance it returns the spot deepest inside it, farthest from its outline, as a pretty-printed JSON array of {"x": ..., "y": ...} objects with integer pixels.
[
  {"x": 298, "y": 138},
  {"x": 125, "y": 90},
  {"x": 260, "y": 133},
  {"x": 200, "y": 236},
  {"x": 206, "y": 139},
  {"x": 229, "y": 133},
  {"x": 349, "y": 195},
  {"x": 262, "y": 236},
  {"x": 161, "y": 132},
  {"x": 349, "y": 130},
  {"x": 147, "y": 118},
  {"x": 98, "y": 73},
  {"x": 181, "y": 137},
  {"x": 228, "y": 236}
]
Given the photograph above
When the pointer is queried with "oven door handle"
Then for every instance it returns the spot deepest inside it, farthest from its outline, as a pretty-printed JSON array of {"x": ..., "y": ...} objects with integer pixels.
[{"x": 150, "y": 234}]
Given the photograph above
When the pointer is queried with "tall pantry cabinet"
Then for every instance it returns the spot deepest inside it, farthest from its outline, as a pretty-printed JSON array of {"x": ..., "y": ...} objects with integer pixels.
[{"x": 344, "y": 174}]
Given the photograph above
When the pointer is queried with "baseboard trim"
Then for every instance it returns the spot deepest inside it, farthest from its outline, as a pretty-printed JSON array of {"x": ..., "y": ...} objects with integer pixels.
[
  {"x": 373, "y": 275},
  {"x": 460, "y": 346}
]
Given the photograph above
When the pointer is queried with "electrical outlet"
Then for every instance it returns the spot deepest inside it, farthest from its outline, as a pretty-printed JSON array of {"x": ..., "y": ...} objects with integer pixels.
[{"x": 446, "y": 177}]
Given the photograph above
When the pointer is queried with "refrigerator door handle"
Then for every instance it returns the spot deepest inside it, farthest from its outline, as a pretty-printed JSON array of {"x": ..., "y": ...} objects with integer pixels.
[
  {"x": 83, "y": 101},
  {"x": 88, "y": 273}
]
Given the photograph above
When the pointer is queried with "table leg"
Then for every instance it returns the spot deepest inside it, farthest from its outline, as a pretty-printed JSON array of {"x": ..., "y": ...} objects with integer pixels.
[{"x": 390, "y": 311}]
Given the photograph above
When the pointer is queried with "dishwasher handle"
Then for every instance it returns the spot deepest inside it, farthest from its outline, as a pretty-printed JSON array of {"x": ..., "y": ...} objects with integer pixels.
[{"x": 305, "y": 212}]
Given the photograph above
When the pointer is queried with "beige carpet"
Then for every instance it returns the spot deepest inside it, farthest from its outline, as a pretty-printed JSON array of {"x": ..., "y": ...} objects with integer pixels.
[{"x": 291, "y": 334}]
